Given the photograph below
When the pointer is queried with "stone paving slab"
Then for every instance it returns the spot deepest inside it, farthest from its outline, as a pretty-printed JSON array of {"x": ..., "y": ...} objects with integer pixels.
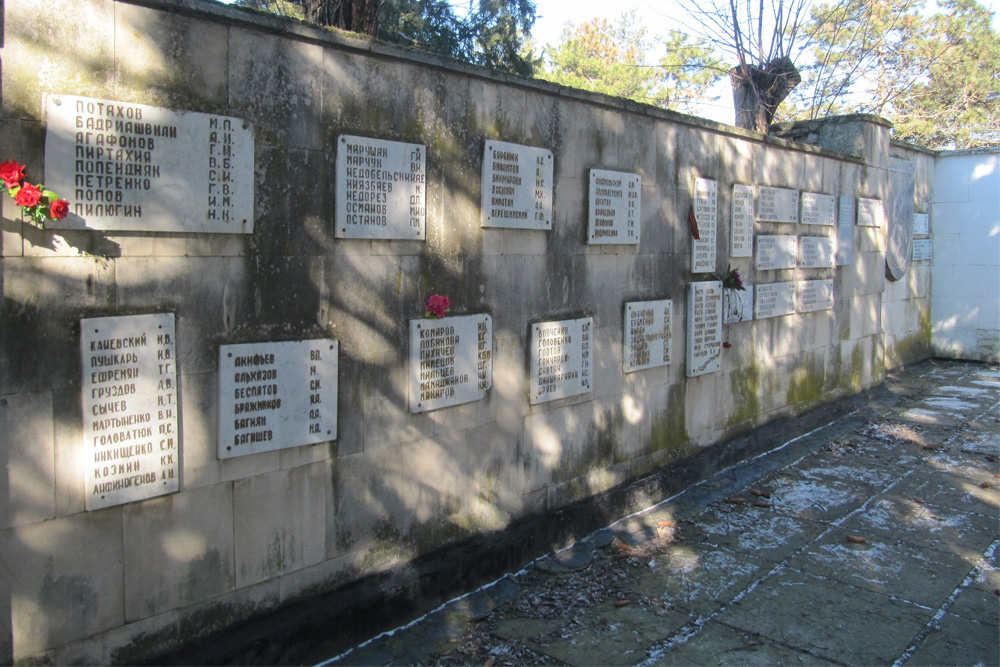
[
  {"x": 957, "y": 641},
  {"x": 960, "y": 487},
  {"x": 815, "y": 499},
  {"x": 719, "y": 644},
  {"x": 752, "y": 530}
]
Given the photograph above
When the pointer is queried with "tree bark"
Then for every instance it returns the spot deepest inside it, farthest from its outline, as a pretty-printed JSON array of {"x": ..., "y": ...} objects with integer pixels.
[
  {"x": 758, "y": 92},
  {"x": 354, "y": 15}
]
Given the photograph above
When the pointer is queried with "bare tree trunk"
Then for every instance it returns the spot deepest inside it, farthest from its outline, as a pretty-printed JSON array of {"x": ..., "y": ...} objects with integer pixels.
[
  {"x": 758, "y": 92},
  {"x": 354, "y": 15}
]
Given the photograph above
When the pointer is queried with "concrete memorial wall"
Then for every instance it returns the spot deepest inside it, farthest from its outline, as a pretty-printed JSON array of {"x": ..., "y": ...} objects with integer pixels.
[{"x": 224, "y": 387}]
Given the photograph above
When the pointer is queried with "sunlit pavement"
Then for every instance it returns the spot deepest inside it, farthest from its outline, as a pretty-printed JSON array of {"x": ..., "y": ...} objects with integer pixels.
[{"x": 871, "y": 541}]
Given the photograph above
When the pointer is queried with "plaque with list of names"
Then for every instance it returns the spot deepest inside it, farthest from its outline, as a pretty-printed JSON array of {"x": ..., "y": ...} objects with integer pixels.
[
  {"x": 815, "y": 295},
  {"x": 816, "y": 252},
  {"x": 845, "y": 231},
  {"x": 381, "y": 189},
  {"x": 706, "y": 212},
  {"x": 818, "y": 209},
  {"x": 922, "y": 249},
  {"x": 648, "y": 334},
  {"x": 704, "y": 335},
  {"x": 921, "y": 224},
  {"x": 777, "y": 204},
  {"x": 737, "y": 305},
  {"x": 741, "y": 240},
  {"x": 131, "y": 442},
  {"x": 871, "y": 213},
  {"x": 451, "y": 361},
  {"x": 774, "y": 300},
  {"x": 517, "y": 186},
  {"x": 561, "y": 359},
  {"x": 135, "y": 167},
  {"x": 613, "y": 215},
  {"x": 276, "y": 395},
  {"x": 776, "y": 252}
]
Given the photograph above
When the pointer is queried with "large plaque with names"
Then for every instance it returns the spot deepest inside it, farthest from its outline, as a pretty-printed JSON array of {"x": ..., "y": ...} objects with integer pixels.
[
  {"x": 706, "y": 213},
  {"x": 776, "y": 252},
  {"x": 134, "y": 167},
  {"x": 704, "y": 334},
  {"x": 276, "y": 395},
  {"x": 381, "y": 189},
  {"x": 131, "y": 440},
  {"x": 648, "y": 334},
  {"x": 741, "y": 239},
  {"x": 845, "y": 231},
  {"x": 774, "y": 300},
  {"x": 922, "y": 249},
  {"x": 613, "y": 215},
  {"x": 777, "y": 204},
  {"x": 737, "y": 305},
  {"x": 817, "y": 252},
  {"x": 561, "y": 359},
  {"x": 818, "y": 209},
  {"x": 451, "y": 361},
  {"x": 870, "y": 212},
  {"x": 517, "y": 186},
  {"x": 815, "y": 295},
  {"x": 921, "y": 224}
]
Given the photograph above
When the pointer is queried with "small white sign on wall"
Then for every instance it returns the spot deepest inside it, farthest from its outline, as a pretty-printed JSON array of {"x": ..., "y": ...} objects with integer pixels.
[
  {"x": 648, "y": 334},
  {"x": 614, "y": 212},
  {"x": 451, "y": 361},
  {"x": 562, "y": 361},
  {"x": 706, "y": 214},
  {"x": 741, "y": 238},
  {"x": 517, "y": 186},
  {"x": 704, "y": 334},
  {"x": 871, "y": 213}
]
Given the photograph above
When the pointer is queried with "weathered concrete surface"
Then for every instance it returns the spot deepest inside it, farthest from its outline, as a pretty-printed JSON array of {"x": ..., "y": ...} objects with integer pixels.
[{"x": 872, "y": 540}]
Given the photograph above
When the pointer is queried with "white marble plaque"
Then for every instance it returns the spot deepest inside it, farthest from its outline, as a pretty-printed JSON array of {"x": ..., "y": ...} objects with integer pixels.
[
  {"x": 741, "y": 238},
  {"x": 815, "y": 295},
  {"x": 134, "y": 167},
  {"x": 921, "y": 224},
  {"x": 776, "y": 252},
  {"x": 774, "y": 300},
  {"x": 922, "y": 249},
  {"x": 648, "y": 334},
  {"x": 737, "y": 305},
  {"x": 871, "y": 213},
  {"x": 131, "y": 442},
  {"x": 613, "y": 215},
  {"x": 816, "y": 252},
  {"x": 704, "y": 334},
  {"x": 561, "y": 359},
  {"x": 451, "y": 361},
  {"x": 381, "y": 189},
  {"x": 777, "y": 204},
  {"x": 517, "y": 186},
  {"x": 845, "y": 231},
  {"x": 818, "y": 209},
  {"x": 706, "y": 213},
  {"x": 276, "y": 395}
]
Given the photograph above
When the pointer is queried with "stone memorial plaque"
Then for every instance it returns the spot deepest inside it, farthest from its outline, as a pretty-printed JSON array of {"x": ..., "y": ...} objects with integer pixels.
[
  {"x": 774, "y": 300},
  {"x": 704, "y": 334},
  {"x": 777, "y": 204},
  {"x": 517, "y": 186},
  {"x": 613, "y": 215},
  {"x": 737, "y": 305},
  {"x": 134, "y": 167},
  {"x": 451, "y": 361},
  {"x": 741, "y": 238},
  {"x": 818, "y": 209},
  {"x": 131, "y": 441},
  {"x": 817, "y": 252},
  {"x": 899, "y": 218},
  {"x": 815, "y": 295},
  {"x": 845, "y": 231},
  {"x": 561, "y": 359},
  {"x": 921, "y": 224},
  {"x": 381, "y": 189},
  {"x": 922, "y": 249},
  {"x": 706, "y": 213},
  {"x": 277, "y": 395},
  {"x": 648, "y": 334},
  {"x": 776, "y": 252},
  {"x": 870, "y": 212}
]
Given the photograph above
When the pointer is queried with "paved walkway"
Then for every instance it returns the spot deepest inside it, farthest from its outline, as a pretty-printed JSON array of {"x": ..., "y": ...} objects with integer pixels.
[{"x": 871, "y": 541}]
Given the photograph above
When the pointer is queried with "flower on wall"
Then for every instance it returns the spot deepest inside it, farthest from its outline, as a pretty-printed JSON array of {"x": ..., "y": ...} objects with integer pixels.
[
  {"x": 37, "y": 203},
  {"x": 437, "y": 306}
]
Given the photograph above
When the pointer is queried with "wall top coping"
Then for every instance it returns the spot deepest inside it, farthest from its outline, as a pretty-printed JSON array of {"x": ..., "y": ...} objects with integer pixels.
[
  {"x": 257, "y": 20},
  {"x": 986, "y": 150}
]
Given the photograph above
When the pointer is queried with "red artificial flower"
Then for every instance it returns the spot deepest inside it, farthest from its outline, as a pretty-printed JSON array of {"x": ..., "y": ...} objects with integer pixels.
[
  {"x": 59, "y": 209},
  {"x": 727, "y": 345},
  {"x": 438, "y": 305},
  {"x": 28, "y": 196},
  {"x": 11, "y": 173}
]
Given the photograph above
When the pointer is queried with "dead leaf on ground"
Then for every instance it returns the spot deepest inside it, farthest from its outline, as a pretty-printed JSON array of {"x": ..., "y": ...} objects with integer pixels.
[
  {"x": 623, "y": 603},
  {"x": 735, "y": 500},
  {"x": 856, "y": 539}
]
